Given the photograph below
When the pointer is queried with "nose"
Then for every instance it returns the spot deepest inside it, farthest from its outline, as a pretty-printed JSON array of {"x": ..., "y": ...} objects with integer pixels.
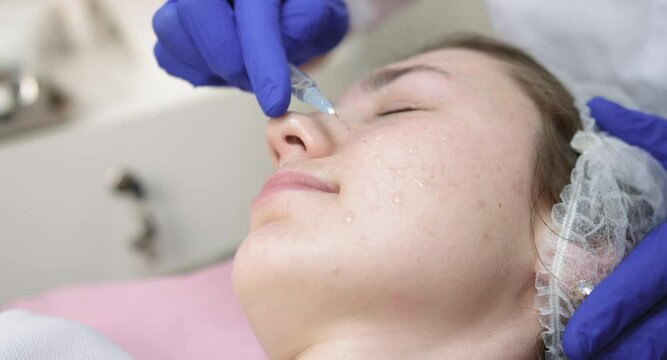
[{"x": 296, "y": 136}]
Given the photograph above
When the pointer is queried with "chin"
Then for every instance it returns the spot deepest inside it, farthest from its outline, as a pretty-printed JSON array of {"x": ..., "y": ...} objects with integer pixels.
[
  {"x": 259, "y": 251},
  {"x": 248, "y": 268},
  {"x": 264, "y": 269}
]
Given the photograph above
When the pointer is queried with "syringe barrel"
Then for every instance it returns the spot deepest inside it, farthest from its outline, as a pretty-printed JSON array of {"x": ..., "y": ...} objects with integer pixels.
[
  {"x": 314, "y": 97},
  {"x": 300, "y": 82},
  {"x": 305, "y": 89}
]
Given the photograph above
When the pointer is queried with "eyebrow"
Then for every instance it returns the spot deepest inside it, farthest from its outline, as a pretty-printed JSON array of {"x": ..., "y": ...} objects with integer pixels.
[{"x": 384, "y": 77}]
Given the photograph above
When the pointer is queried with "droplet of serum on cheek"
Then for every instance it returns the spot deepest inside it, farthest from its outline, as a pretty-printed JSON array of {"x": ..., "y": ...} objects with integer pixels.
[
  {"x": 397, "y": 199},
  {"x": 349, "y": 219}
]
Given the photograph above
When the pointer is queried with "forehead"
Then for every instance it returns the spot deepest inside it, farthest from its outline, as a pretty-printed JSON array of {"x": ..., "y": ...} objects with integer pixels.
[
  {"x": 454, "y": 56},
  {"x": 473, "y": 70},
  {"x": 472, "y": 66},
  {"x": 477, "y": 76},
  {"x": 487, "y": 76}
]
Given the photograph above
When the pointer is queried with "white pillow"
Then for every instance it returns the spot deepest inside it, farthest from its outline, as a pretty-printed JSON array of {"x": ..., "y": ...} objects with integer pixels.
[{"x": 26, "y": 336}]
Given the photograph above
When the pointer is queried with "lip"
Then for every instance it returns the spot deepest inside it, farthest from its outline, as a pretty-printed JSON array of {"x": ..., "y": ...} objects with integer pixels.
[{"x": 294, "y": 180}]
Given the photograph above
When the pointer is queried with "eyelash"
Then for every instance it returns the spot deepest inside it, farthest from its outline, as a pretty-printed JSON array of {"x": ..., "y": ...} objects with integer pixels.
[{"x": 400, "y": 110}]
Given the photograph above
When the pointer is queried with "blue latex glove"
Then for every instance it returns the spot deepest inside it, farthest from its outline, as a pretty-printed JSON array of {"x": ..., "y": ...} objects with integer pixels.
[
  {"x": 625, "y": 317},
  {"x": 247, "y": 45}
]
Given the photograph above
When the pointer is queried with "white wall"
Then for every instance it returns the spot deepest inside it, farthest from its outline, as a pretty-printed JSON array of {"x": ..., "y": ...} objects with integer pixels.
[{"x": 201, "y": 155}]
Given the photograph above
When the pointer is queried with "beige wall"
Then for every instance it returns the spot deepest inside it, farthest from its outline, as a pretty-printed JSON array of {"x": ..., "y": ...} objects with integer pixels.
[{"x": 408, "y": 31}]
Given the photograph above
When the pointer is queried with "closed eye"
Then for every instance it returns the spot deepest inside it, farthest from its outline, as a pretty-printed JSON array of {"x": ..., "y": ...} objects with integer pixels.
[{"x": 399, "y": 110}]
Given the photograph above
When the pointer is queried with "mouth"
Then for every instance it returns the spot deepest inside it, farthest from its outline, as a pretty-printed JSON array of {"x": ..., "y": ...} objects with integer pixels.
[{"x": 294, "y": 180}]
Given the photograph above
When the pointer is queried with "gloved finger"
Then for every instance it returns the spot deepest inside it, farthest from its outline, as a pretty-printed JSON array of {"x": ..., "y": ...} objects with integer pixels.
[
  {"x": 258, "y": 26},
  {"x": 175, "y": 67},
  {"x": 333, "y": 33},
  {"x": 172, "y": 37},
  {"x": 645, "y": 339},
  {"x": 634, "y": 287},
  {"x": 636, "y": 128},
  {"x": 210, "y": 24},
  {"x": 312, "y": 28}
]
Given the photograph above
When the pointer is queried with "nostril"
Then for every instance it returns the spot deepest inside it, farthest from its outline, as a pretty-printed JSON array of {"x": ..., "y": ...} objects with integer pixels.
[{"x": 295, "y": 140}]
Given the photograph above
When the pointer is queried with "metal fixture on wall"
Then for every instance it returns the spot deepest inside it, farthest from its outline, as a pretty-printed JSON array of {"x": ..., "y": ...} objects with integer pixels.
[
  {"x": 144, "y": 237},
  {"x": 27, "y": 102}
]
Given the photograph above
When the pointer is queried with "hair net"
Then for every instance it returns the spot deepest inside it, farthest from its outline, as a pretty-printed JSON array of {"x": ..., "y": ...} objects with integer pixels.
[{"x": 615, "y": 196}]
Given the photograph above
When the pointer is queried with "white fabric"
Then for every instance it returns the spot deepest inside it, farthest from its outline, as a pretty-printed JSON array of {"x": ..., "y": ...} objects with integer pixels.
[
  {"x": 25, "y": 336},
  {"x": 612, "y": 42},
  {"x": 615, "y": 196}
]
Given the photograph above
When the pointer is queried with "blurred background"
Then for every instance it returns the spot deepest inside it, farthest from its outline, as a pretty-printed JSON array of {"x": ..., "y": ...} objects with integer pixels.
[{"x": 110, "y": 169}]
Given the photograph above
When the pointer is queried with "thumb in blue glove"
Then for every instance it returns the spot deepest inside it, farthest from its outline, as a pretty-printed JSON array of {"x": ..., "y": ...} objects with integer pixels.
[
  {"x": 625, "y": 317},
  {"x": 248, "y": 45}
]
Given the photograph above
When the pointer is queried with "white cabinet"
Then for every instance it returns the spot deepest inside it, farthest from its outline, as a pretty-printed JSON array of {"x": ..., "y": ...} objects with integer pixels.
[{"x": 200, "y": 164}]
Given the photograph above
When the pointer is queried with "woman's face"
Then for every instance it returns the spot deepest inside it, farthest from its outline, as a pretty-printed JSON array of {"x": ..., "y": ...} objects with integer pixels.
[{"x": 423, "y": 216}]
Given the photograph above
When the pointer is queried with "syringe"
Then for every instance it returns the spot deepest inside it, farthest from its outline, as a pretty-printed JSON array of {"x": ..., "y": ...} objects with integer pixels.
[{"x": 305, "y": 89}]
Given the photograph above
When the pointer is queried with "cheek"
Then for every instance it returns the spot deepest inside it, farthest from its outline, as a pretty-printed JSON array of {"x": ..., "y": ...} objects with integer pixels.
[
  {"x": 427, "y": 197},
  {"x": 388, "y": 169},
  {"x": 406, "y": 168},
  {"x": 408, "y": 187}
]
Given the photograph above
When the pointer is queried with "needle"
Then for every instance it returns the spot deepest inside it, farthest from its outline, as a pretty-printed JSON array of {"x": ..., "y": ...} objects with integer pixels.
[
  {"x": 305, "y": 89},
  {"x": 342, "y": 121}
]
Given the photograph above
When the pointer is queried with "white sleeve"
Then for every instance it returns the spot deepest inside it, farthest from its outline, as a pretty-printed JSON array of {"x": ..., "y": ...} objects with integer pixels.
[
  {"x": 364, "y": 14},
  {"x": 616, "y": 43},
  {"x": 26, "y": 336}
]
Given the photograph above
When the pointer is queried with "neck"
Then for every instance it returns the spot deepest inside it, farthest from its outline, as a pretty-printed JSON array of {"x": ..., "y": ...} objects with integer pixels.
[
  {"x": 513, "y": 337},
  {"x": 367, "y": 341}
]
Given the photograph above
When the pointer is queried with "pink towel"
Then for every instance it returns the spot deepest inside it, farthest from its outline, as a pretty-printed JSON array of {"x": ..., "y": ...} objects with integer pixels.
[{"x": 195, "y": 316}]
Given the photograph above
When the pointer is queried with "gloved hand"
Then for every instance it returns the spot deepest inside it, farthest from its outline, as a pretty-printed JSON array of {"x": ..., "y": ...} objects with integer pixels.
[
  {"x": 246, "y": 45},
  {"x": 625, "y": 317}
]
